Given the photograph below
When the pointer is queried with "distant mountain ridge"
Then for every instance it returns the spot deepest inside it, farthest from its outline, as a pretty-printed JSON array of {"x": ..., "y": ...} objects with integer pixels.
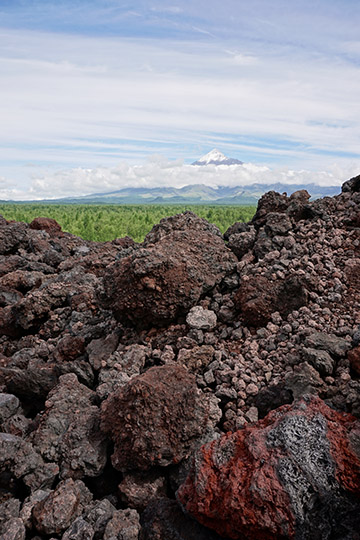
[{"x": 196, "y": 194}]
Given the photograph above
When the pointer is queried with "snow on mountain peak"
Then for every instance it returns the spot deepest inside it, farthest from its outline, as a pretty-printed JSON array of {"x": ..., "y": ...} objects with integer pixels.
[{"x": 215, "y": 157}]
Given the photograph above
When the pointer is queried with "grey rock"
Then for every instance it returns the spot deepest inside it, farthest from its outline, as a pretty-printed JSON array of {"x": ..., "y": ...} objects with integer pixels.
[
  {"x": 201, "y": 319},
  {"x": 241, "y": 243},
  {"x": 138, "y": 489},
  {"x": 328, "y": 342},
  {"x": 29, "y": 503},
  {"x": 9, "y": 509},
  {"x": 61, "y": 507},
  {"x": 320, "y": 360},
  {"x": 14, "y": 529},
  {"x": 79, "y": 530},
  {"x": 277, "y": 224},
  {"x": 356, "y": 338},
  {"x": 9, "y": 404},
  {"x": 24, "y": 462},
  {"x": 99, "y": 515},
  {"x": 68, "y": 431},
  {"x": 124, "y": 525}
]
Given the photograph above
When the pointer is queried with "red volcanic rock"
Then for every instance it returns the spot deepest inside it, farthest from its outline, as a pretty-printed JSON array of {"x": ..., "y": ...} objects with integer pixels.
[
  {"x": 259, "y": 297},
  {"x": 157, "y": 418},
  {"x": 181, "y": 258},
  {"x": 295, "y": 474},
  {"x": 354, "y": 359},
  {"x": 69, "y": 347},
  {"x": 45, "y": 224}
]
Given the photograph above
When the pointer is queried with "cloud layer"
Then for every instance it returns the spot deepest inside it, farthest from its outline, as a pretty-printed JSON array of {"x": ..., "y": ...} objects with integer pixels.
[{"x": 160, "y": 172}]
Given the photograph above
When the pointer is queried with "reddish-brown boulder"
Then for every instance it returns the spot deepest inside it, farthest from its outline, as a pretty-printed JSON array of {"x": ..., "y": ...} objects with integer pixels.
[
  {"x": 45, "y": 224},
  {"x": 295, "y": 474},
  {"x": 181, "y": 258},
  {"x": 157, "y": 418},
  {"x": 259, "y": 297},
  {"x": 354, "y": 359}
]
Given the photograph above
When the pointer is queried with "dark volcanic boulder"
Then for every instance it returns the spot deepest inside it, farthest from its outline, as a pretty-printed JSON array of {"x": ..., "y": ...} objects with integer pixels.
[
  {"x": 352, "y": 185},
  {"x": 180, "y": 259},
  {"x": 68, "y": 430},
  {"x": 295, "y": 474},
  {"x": 259, "y": 297},
  {"x": 157, "y": 418},
  {"x": 269, "y": 202},
  {"x": 163, "y": 519}
]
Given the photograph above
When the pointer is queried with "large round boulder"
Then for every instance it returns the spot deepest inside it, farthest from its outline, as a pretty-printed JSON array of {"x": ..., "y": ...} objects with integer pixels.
[
  {"x": 157, "y": 418},
  {"x": 180, "y": 259}
]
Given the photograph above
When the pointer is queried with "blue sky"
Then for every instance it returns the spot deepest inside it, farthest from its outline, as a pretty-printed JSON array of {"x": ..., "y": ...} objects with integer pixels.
[{"x": 105, "y": 94}]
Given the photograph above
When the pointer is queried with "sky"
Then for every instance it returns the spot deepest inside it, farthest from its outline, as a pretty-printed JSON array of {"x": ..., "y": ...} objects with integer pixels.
[{"x": 99, "y": 95}]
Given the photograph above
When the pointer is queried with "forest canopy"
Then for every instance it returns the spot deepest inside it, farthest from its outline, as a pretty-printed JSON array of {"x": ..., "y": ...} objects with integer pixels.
[{"x": 103, "y": 223}]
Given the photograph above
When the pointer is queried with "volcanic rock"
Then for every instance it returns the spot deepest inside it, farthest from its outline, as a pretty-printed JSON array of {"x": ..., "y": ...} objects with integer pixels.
[
  {"x": 259, "y": 297},
  {"x": 56, "y": 512},
  {"x": 138, "y": 489},
  {"x": 45, "y": 224},
  {"x": 68, "y": 431},
  {"x": 201, "y": 319},
  {"x": 354, "y": 359},
  {"x": 20, "y": 459},
  {"x": 157, "y": 418},
  {"x": 124, "y": 524},
  {"x": 164, "y": 519},
  {"x": 295, "y": 474},
  {"x": 180, "y": 259},
  {"x": 9, "y": 404}
]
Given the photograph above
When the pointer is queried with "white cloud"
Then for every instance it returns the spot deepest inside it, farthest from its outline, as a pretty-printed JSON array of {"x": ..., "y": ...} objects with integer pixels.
[{"x": 158, "y": 171}]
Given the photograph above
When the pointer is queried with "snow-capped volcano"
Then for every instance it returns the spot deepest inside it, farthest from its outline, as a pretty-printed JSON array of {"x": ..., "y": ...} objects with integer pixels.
[{"x": 215, "y": 157}]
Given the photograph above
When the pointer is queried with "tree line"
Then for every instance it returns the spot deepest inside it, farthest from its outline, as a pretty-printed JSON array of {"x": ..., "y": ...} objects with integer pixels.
[{"x": 101, "y": 223}]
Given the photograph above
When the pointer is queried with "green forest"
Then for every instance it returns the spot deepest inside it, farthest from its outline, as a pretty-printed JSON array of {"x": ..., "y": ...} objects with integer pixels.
[{"x": 102, "y": 223}]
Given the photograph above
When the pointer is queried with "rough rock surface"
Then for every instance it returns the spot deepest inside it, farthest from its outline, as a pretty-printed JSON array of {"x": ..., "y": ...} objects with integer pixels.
[
  {"x": 277, "y": 316},
  {"x": 180, "y": 260},
  {"x": 157, "y": 418},
  {"x": 285, "y": 477},
  {"x": 164, "y": 519},
  {"x": 69, "y": 432},
  {"x": 54, "y": 513}
]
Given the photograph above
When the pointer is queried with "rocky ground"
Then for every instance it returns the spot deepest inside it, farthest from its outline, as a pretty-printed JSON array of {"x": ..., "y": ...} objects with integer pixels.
[{"x": 190, "y": 387}]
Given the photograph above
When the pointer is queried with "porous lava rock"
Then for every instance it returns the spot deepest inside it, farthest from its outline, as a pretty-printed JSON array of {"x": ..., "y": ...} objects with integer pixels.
[
  {"x": 294, "y": 474},
  {"x": 259, "y": 297},
  {"x": 354, "y": 359},
  {"x": 68, "y": 430},
  {"x": 20, "y": 461},
  {"x": 45, "y": 224},
  {"x": 61, "y": 507},
  {"x": 180, "y": 259},
  {"x": 157, "y": 418},
  {"x": 163, "y": 519}
]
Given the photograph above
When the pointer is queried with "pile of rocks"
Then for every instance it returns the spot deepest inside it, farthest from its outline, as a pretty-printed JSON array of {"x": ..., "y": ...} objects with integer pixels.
[{"x": 190, "y": 376}]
